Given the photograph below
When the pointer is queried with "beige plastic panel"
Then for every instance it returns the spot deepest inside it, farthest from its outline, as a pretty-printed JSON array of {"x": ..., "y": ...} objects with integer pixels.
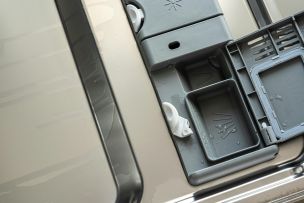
[
  {"x": 161, "y": 169},
  {"x": 238, "y": 17},
  {"x": 50, "y": 150},
  {"x": 279, "y": 9}
]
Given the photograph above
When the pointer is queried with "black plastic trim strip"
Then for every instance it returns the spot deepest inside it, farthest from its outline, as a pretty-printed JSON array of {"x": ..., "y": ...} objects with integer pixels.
[
  {"x": 100, "y": 96},
  {"x": 260, "y": 12}
]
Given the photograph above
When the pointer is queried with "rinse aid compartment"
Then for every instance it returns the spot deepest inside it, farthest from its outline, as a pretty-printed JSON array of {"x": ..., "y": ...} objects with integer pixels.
[
  {"x": 269, "y": 65},
  {"x": 196, "y": 85}
]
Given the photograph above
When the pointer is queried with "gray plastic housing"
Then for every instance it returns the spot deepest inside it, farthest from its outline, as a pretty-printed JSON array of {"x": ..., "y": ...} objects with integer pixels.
[
  {"x": 189, "y": 68},
  {"x": 269, "y": 65},
  {"x": 180, "y": 84}
]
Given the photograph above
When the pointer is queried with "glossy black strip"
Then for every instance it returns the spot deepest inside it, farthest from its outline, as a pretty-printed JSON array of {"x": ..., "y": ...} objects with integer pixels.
[
  {"x": 260, "y": 12},
  {"x": 100, "y": 96}
]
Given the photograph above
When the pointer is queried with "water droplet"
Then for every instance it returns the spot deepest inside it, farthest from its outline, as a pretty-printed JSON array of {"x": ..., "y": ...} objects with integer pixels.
[{"x": 279, "y": 97}]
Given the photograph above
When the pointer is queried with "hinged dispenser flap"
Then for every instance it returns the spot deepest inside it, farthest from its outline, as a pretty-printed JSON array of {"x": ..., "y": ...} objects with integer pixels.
[
  {"x": 169, "y": 31},
  {"x": 163, "y": 16},
  {"x": 270, "y": 67},
  {"x": 175, "y": 46}
]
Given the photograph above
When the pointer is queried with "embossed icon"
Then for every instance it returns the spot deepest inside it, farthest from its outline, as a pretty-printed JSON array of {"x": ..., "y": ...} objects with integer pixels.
[
  {"x": 173, "y": 4},
  {"x": 225, "y": 124}
]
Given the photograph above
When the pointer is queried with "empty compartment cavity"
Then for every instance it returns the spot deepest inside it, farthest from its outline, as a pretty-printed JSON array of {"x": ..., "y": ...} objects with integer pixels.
[
  {"x": 204, "y": 71},
  {"x": 222, "y": 120},
  {"x": 284, "y": 86}
]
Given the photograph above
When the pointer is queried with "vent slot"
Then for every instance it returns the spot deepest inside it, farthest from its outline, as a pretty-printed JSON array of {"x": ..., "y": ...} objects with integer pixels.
[
  {"x": 261, "y": 48},
  {"x": 286, "y": 37}
]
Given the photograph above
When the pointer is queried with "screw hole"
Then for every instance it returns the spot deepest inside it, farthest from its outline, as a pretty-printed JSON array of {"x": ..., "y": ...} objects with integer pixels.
[{"x": 174, "y": 45}]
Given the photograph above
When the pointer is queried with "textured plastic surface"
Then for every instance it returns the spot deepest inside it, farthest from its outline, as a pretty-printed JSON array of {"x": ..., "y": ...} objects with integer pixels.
[
  {"x": 166, "y": 15},
  {"x": 222, "y": 120},
  {"x": 270, "y": 68}
]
